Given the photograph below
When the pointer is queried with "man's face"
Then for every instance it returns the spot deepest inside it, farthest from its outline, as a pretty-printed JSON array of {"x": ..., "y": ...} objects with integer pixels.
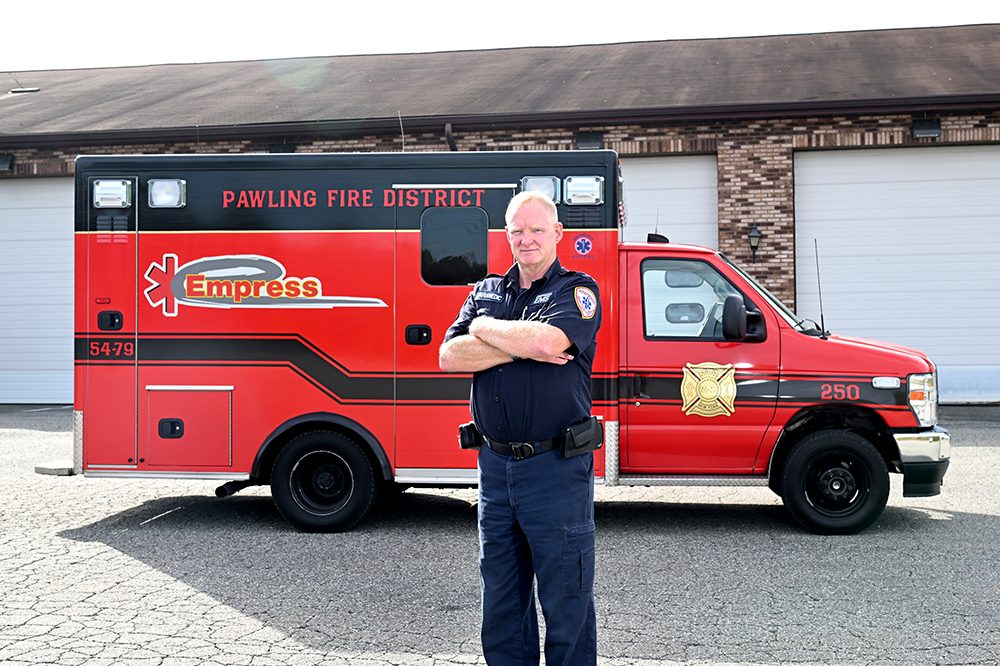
[{"x": 533, "y": 237}]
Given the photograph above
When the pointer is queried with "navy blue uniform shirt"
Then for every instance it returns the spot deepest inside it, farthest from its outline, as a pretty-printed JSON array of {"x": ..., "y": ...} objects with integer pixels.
[{"x": 527, "y": 401}]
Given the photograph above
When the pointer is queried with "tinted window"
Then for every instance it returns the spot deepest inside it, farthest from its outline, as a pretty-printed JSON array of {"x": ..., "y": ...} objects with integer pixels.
[{"x": 453, "y": 245}]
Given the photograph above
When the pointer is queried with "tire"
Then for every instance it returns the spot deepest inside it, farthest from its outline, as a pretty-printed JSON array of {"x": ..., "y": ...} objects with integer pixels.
[
  {"x": 834, "y": 482},
  {"x": 323, "y": 482}
]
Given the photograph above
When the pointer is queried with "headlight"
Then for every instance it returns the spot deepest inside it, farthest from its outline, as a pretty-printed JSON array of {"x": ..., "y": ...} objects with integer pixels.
[{"x": 924, "y": 398}]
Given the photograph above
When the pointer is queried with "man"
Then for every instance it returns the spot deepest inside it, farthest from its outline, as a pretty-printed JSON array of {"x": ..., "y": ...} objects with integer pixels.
[{"x": 530, "y": 337}]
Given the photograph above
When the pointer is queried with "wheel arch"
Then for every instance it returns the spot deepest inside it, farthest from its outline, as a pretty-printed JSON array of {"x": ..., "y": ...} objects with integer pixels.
[
  {"x": 287, "y": 431},
  {"x": 860, "y": 420}
]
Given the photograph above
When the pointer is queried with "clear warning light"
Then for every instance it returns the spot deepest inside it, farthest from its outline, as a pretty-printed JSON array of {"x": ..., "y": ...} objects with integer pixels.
[
  {"x": 547, "y": 185},
  {"x": 167, "y": 193},
  {"x": 584, "y": 190},
  {"x": 112, "y": 193}
]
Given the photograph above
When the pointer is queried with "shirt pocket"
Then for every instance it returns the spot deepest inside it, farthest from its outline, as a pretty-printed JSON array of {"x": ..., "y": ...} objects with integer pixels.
[{"x": 487, "y": 304}]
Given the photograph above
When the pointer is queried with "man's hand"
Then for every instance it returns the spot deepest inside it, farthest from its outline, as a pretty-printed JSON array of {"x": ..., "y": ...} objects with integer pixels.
[{"x": 558, "y": 359}]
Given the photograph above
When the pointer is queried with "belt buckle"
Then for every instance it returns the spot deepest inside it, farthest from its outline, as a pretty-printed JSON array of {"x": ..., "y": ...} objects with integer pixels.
[{"x": 522, "y": 450}]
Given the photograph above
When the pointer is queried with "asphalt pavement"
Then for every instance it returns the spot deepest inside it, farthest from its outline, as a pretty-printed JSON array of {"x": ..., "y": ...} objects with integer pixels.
[{"x": 100, "y": 571}]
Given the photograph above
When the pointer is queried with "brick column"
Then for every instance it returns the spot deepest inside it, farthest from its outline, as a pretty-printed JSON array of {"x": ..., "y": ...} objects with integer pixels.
[{"x": 756, "y": 187}]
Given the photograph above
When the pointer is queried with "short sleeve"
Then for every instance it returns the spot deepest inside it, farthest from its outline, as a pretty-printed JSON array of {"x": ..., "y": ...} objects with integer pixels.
[
  {"x": 464, "y": 319},
  {"x": 576, "y": 311}
]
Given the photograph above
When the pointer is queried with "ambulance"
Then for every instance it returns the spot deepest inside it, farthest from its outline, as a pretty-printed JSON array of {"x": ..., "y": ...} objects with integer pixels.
[{"x": 275, "y": 319}]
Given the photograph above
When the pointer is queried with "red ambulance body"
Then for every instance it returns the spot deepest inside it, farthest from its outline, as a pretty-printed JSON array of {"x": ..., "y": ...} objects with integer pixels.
[{"x": 275, "y": 319}]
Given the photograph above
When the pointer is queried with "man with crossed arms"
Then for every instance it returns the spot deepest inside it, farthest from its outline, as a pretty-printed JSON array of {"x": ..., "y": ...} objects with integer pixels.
[{"x": 529, "y": 337}]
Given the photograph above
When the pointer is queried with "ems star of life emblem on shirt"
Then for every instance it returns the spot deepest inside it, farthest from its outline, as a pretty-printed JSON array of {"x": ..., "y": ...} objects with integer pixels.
[{"x": 708, "y": 389}]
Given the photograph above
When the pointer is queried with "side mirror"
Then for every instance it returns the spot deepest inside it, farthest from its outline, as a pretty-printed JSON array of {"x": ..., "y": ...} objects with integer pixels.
[{"x": 734, "y": 318}]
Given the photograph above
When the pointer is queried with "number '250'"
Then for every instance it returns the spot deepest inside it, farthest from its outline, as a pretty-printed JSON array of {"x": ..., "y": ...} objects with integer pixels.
[{"x": 840, "y": 392}]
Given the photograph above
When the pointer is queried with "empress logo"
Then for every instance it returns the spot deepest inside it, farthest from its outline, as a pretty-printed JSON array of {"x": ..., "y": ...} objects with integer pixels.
[{"x": 238, "y": 281}]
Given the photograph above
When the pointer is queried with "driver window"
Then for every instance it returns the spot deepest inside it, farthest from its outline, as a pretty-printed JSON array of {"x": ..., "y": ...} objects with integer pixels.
[{"x": 683, "y": 298}]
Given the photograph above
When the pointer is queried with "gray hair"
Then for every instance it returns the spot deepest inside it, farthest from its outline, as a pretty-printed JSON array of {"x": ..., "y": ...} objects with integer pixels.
[{"x": 531, "y": 197}]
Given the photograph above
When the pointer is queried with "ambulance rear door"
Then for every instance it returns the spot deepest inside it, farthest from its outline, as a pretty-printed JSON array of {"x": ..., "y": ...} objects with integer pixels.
[{"x": 106, "y": 317}]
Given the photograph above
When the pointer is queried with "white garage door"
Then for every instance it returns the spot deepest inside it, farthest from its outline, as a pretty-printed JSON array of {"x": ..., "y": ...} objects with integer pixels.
[
  {"x": 36, "y": 290},
  {"x": 677, "y": 197},
  {"x": 909, "y": 241}
]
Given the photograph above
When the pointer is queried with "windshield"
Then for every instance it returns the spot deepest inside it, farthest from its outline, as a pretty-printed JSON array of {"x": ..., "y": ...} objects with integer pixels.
[{"x": 786, "y": 314}]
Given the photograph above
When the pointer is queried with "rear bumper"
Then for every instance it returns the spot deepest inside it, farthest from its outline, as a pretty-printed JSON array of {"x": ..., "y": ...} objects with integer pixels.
[{"x": 925, "y": 457}]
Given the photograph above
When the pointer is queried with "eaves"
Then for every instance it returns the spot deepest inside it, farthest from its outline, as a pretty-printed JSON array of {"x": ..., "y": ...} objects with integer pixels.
[{"x": 325, "y": 129}]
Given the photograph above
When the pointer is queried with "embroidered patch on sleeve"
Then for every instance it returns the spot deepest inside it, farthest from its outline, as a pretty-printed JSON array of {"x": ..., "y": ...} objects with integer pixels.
[{"x": 586, "y": 301}]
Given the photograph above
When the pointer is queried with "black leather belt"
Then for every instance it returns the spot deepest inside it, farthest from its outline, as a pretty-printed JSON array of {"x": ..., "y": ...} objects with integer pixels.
[{"x": 522, "y": 450}]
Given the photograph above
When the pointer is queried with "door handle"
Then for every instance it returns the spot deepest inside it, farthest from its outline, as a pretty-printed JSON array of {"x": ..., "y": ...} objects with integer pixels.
[
  {"x": 418, "y": 334},
  {"x": 637, "y": 386},
  {"x": 109, "y": 321}
]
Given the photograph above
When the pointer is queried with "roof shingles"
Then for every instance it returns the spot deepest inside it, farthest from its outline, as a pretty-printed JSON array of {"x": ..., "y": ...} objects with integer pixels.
[{"x": 815, "y": 70}]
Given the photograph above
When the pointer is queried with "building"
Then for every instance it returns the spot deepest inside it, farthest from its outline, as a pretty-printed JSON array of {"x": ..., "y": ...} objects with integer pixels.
[{"x": 881, "y": 149}]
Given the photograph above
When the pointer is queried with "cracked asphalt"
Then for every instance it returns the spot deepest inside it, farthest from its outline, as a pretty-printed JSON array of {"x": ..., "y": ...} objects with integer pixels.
[{"x": 97, "y": 571}]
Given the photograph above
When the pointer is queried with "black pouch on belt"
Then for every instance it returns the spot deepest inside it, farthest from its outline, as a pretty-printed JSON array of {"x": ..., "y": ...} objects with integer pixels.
[
  {"x": 582, "y": 437},
  {"x": 469, "y": 436}
]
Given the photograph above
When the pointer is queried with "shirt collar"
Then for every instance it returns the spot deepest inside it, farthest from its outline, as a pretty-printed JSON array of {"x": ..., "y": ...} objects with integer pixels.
[{"x": 513, "y": 275}]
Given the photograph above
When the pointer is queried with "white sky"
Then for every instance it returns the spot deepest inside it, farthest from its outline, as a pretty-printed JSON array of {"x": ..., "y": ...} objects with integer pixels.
[{"x": 40, "y": 35}]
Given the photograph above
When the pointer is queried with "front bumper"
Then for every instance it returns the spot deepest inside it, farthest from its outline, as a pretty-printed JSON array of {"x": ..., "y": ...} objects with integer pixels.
[{"x": 925, "y": 457}]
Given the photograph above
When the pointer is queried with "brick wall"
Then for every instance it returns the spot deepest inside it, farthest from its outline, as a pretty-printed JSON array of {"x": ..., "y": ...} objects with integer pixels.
[{"x": 755, "y": 159}]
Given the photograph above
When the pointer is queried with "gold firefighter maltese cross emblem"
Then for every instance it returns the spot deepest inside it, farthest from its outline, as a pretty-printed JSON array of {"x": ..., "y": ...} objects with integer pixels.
[{"x": 708, "y": 389}]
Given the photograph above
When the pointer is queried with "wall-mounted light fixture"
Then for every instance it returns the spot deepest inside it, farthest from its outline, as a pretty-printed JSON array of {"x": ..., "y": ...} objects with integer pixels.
[
  {"x": 927, "y": 128},
  {"x": 6, "y": 163},
  {"x": 589, "y": 140},
  {"x": 754, "y": 238}
]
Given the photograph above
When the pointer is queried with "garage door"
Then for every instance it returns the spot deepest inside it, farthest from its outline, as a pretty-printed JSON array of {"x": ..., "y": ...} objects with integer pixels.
[
  {"x": 36, "y": 290},
  {"x": 677, "y": 197},
  {"x": 909, "y": 241}
]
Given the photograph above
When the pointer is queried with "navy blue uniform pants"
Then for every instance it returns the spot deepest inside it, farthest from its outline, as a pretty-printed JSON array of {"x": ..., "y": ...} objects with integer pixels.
[{"x": 536, "y": 520}]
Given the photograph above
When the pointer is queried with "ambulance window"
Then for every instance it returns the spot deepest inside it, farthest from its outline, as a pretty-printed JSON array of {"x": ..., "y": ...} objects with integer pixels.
[
  {"x": 453, "y": 245},
  {"x": 683, "y": 299}
]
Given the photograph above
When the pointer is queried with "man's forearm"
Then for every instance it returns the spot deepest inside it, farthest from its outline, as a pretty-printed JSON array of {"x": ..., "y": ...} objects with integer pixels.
[
  {"x": 467, "y": 353},
  {"x": 524, "y": 339}
]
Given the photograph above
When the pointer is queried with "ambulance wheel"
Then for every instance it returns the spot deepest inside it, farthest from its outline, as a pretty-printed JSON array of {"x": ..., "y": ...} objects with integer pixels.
[
  {"x": 835, "y": 482},
  {"x": 323, "y": 482}
]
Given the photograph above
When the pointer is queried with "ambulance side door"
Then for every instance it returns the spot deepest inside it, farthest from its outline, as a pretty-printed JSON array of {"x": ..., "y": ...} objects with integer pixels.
[{"x": 446, "y": 238}]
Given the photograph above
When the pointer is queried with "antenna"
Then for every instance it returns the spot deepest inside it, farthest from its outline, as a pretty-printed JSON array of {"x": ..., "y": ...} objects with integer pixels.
[{"x": 819, "y": 288}]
